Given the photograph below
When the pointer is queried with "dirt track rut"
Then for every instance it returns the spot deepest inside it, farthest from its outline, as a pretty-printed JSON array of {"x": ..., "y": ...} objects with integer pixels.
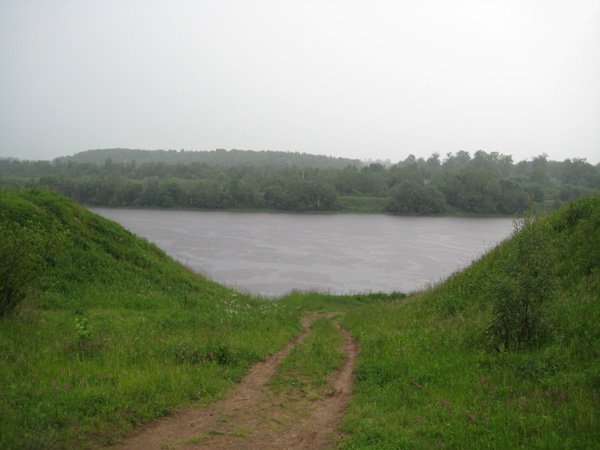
[{"x": 252, "y": 416}]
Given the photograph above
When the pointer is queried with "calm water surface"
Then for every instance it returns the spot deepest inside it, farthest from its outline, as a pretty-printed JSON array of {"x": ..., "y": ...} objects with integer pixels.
[{"x": 271, "y": 254}]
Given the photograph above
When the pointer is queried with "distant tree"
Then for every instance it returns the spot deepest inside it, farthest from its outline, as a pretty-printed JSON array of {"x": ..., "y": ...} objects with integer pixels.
[
  {"x": 276, "y": 197},
  {"x": 472, "y": 191},
  {"x": 540, "y": 170},
  {"x": 579, "y": 172},
  {"x": 370, "y": 183},
  {"x": 412, "y": 196},
  {"x": 458, "y": 162},
  {"x": 433, "y": 164},
  {"x": 512, "y": 197},
  {"x": 129, "y": 194}
]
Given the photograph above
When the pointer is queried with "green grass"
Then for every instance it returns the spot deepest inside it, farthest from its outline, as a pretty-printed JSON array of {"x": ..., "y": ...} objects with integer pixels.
[
  {"x": 109, "y": 333},
  {"x": 424, "y": 381},
  {"x": 428, "y": 375},
  {"x": 114, "y": 333},
  {"x": 309, "y": 364}
]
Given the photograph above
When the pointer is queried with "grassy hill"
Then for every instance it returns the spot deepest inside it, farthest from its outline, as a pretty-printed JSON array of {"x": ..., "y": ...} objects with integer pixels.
[
  {"x": 100, "y": 331},
  {"x": 437, "y": 372},
  {"x": 111, "y": 332}
]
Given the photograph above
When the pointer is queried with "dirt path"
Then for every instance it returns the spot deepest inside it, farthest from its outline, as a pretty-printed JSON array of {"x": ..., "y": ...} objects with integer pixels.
[{"x": 253, "y": 417}]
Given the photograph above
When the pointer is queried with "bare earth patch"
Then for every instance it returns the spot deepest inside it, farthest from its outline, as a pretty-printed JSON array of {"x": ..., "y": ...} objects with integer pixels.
[{"x": 252, "y": 416}]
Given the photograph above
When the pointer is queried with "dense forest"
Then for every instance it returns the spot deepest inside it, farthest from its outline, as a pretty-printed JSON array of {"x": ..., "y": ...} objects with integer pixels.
[{"x": 482, "y": 183}]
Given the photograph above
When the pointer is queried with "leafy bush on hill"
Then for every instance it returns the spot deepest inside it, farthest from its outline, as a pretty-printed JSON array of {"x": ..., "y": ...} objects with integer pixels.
[{"x": 525, "y": 281}]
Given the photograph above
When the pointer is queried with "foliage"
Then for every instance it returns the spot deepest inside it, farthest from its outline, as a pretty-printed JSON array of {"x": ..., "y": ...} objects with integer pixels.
[
  {"x": 487, "y": 183},
  {"x": 417, "y": 198},
  {"x": 524, "y": 283}
]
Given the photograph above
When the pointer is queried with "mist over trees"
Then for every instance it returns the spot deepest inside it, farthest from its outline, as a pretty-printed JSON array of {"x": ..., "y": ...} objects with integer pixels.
[
  {"x": 218, "y": 157},
  {"x": 482, "y": 183}
]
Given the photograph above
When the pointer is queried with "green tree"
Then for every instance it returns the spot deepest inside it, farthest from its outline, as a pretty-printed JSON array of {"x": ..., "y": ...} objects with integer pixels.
[
  {"x": 512, "y": 197},
  {"x": 412, "y": 196},
  {"x": 524, "y": 284},
  {"x": 474, "y": 190},
  {"x": 540, "y": 170}
]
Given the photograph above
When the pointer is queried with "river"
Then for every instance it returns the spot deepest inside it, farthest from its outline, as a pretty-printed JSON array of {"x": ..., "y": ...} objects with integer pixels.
[{"x": 271, "y": 254}]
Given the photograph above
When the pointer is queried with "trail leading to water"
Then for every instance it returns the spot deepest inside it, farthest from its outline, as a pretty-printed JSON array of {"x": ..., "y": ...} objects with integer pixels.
[{"x": 252, "y": 416}]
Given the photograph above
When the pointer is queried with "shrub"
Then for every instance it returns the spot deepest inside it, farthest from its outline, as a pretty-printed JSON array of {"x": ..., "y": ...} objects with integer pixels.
[{"x": 523, "y": 284}]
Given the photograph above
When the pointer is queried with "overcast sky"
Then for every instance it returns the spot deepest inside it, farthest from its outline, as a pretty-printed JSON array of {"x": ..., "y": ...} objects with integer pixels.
[{"x": 363, "y": 79}]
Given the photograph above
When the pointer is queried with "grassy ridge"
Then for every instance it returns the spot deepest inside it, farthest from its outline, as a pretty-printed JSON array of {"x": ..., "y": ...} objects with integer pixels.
[
  {"x": 113, "y": 332},
  {"x": 430, "y": 377}
]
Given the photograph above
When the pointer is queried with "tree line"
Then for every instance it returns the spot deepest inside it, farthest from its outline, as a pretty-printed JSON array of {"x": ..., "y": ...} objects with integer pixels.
[{"x": 482, "y": 183}]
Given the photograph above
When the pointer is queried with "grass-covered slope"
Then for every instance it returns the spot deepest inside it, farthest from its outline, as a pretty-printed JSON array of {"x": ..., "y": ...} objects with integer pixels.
[
  {"x": 100, "y": 330},
  {"x": 434, "y": 373}
]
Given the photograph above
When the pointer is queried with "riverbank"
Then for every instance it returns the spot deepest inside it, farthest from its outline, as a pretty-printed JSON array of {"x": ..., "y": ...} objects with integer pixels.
[{"x": 348, "y": 205}]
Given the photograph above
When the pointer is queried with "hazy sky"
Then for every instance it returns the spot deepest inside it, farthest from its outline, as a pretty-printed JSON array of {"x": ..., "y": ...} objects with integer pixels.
[{"x": 364, "y": 79}]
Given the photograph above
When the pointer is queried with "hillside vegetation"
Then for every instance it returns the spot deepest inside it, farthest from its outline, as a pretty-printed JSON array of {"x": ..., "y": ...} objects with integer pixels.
[
  {"x": 100, "y": 331},
  {"x": 454, "y": 366}
]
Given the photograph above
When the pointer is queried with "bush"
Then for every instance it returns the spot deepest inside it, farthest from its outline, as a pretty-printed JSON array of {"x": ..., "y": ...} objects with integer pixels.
[{"x": 524, "y": 283}]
